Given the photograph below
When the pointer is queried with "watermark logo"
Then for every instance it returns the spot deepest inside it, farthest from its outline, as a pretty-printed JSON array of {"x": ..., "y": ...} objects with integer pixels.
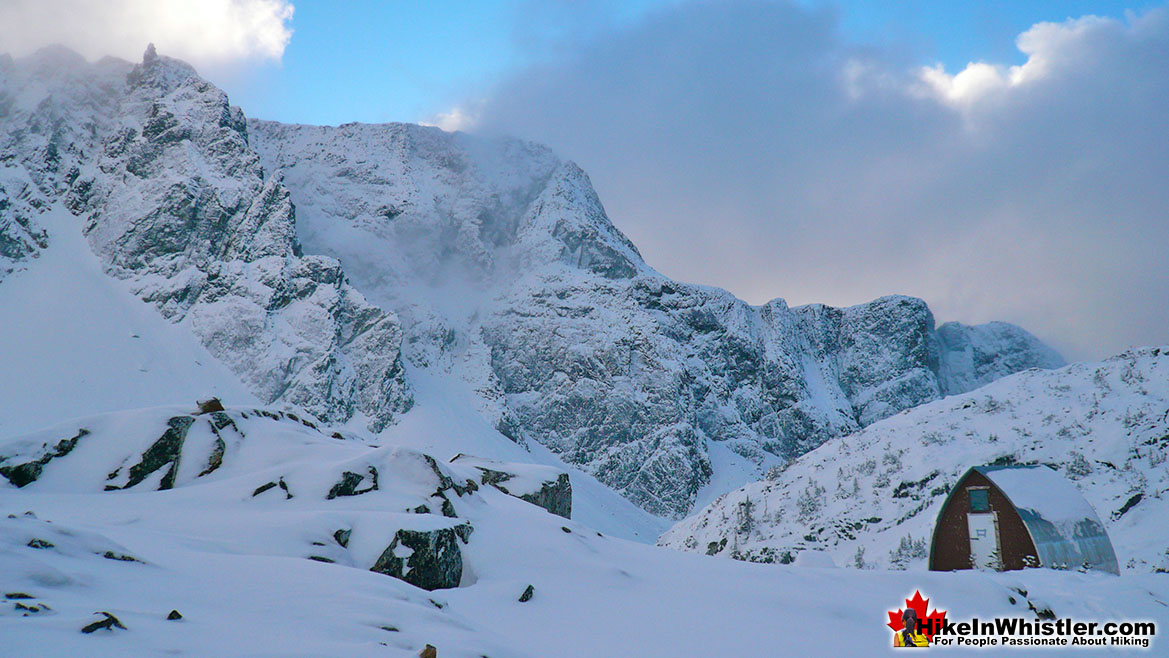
[
  {"x": 912, "y": 626},
  {"x": 916, "y": 625}
]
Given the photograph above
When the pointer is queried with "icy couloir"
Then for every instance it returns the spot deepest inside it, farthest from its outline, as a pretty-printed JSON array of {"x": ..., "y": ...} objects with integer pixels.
[{"x": 871, "y": 499}]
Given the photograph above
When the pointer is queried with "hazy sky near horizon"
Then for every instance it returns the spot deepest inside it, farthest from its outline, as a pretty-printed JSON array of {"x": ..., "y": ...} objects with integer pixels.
[{"x": 1001, "y": 160}]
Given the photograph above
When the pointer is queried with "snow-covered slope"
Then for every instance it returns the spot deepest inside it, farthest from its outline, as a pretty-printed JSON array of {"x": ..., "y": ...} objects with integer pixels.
[
  {"x": 508, "y": 276},
  {"x": 74, "y": 342},
  {"x": 506, "y": 271},
  {"x": 255, "y": 528},
  {"x": 872, "y": 497}
]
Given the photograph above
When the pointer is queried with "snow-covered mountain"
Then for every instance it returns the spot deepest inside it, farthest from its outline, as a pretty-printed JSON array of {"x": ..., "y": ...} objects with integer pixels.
[
  {"x": 156, "y": 166},
  {"x": 871, "y": 498},
  {"x": 489, "y": 263},
  {"x": 506, "y": 271}
]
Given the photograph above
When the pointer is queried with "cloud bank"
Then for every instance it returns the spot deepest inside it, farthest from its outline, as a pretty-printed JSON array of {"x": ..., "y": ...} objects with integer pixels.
[
  {"x": 746, "y": 145},
  {"x": 206, "y": 33}
]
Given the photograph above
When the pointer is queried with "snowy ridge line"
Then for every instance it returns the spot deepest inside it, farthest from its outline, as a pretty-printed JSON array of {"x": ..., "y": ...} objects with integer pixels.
[{"x": 870, "y": 499}]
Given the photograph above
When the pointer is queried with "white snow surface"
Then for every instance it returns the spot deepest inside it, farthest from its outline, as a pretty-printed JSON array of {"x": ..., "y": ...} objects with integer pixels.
[
  {"x": 1044, "y": 492},
  {"x": 236, "y": 566},
  {"x": 871, "y": 498},
  {"x": 108, "y": 350}
]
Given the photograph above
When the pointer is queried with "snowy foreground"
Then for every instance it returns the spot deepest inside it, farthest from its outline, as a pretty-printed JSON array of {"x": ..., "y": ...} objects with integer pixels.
[{"x": 241, "y": 562}]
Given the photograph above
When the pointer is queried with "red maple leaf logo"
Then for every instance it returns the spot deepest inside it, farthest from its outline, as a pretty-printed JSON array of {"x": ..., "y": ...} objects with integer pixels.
[{"x": 919, "y": 606}]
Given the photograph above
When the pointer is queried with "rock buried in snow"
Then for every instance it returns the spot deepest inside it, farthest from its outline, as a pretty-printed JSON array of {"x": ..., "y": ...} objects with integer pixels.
[
  {"x": 430, "y": 559},
  {"x": 527, "y": 595},
  {"x": 347, "y": 486},
  {"x": 109, "y": 623},
  {"x": 27, "y": 473},
  {"x": 542, "y": 486}
]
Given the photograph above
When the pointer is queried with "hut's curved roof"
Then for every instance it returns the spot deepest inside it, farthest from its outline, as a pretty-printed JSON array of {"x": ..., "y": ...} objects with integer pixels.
[{"x": 1066, "y": 531}]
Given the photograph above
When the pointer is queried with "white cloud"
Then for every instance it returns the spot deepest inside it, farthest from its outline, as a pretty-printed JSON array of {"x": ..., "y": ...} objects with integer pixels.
[
  {"x": 463, "y": 117},
  {"x": 202, "y": 32},
  {"x": 1046, "y": 45}
]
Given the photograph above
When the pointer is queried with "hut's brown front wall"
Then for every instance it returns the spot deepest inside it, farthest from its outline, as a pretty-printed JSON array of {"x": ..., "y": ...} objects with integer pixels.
[{"x": 951, "y": 545}]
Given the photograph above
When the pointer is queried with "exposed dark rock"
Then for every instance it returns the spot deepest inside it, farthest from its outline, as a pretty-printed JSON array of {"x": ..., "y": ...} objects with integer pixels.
[
  {"x": 447, "y": 508},
  {"x": 39, "y": 543},
  {"x": 428, "y": 652},
  {"x": 556, "y": 497},
  {"x": 342, "y": 536},
  {"x": 527, "y": 595},
  {"x": 566, "y": 529},
  {"x": 271, "y": 485},
  {"x": 319, "y": 558},
  {"x": 210, "y": 405},
  {"x": 121, "y": 557},
  {"x": 219, "y": 421},
  {"x": 110, "y": 622},
  {"x": 24, "y": 474},
  {"x": 18, "y": 595},
  {"x": 435, "y": 560},
  {"x": 263, "y": 487},
  {"x": 348, "y": 484},
  {"x": 168, "y": 449},
  {"x": 27, "y": 610},
  {"x": 174, "y": 615}
]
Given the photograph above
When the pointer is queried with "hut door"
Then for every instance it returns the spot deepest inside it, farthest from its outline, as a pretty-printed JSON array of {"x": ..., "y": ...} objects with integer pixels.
[
  {"x": 984, "y": 540},
  {"x": 984, "y": 531}
]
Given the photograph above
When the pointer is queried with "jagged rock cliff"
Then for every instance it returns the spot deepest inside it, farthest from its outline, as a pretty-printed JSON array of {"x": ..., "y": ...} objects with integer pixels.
[
  {"x": 156, "y": 164},
  {"x": 497, "y": 256}
]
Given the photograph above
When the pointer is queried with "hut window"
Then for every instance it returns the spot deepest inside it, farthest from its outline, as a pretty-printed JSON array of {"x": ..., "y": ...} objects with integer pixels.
[{"x": 979, "y": 499}]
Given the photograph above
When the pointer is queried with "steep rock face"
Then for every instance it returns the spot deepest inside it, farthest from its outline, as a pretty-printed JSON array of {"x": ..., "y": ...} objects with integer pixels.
[
  {"x": 508, "y": 273},
  {"x": 872, "y": 498},
  {"x": 157, "y": 164}
]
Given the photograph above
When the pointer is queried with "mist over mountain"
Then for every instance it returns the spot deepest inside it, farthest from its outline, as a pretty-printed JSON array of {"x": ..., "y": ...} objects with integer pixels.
[{"x": 485, "y": 261}]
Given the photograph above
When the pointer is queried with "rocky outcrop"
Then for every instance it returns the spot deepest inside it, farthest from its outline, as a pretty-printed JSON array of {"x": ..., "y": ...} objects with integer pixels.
[
  {"x": 430, "y": 559},
  {"x": 542, "y": 486}
]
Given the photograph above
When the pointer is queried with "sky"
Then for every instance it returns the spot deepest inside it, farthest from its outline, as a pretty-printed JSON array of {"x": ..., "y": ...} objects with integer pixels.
[{"x": 1001, "y": 160}]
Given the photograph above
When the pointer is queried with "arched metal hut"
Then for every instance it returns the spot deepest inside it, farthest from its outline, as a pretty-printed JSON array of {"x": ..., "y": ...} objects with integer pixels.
[{"x": 1011, "y": 517}]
